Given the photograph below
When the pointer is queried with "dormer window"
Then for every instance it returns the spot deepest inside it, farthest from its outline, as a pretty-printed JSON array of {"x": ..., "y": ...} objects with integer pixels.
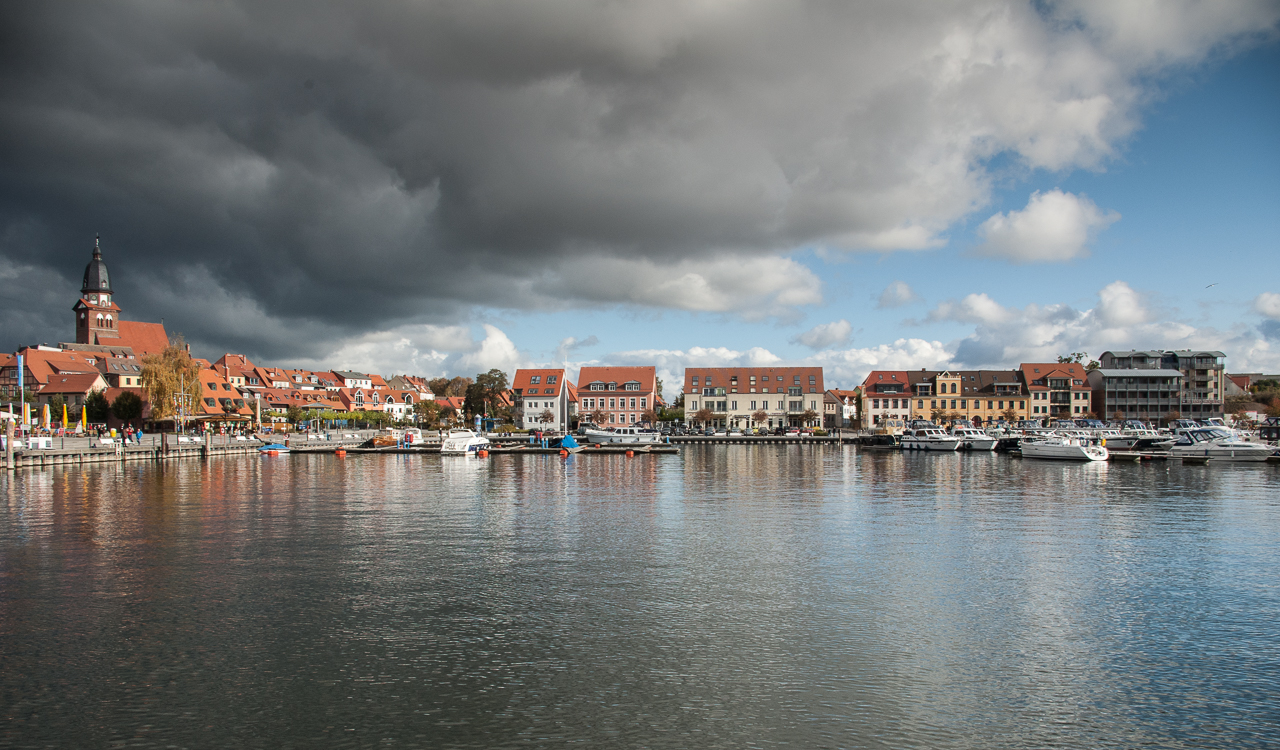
[
  {"x": 551, "y": 380},
  {"x": 613, "y": 386},
  {"x": 535, "y": 379}
]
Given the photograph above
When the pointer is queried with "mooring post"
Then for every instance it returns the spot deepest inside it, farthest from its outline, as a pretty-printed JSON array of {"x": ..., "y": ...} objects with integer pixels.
[{"x": 8, "y": 444}]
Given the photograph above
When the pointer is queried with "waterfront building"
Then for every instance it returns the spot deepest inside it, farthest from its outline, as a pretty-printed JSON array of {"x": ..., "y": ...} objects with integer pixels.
[
  {"x": 975, "y": 396},
  {"x": 886, "y": 400},
  {"x": 1058, "y": 390},
  {"x": 535, "y": 392},
  {"x": 1203, "y": 373},
  {"x": 1146, "y": 394},
  {"x": 621, "y": 394},
  {"x": 840, "y": 408},
  {"x": 735, "y": 394}
]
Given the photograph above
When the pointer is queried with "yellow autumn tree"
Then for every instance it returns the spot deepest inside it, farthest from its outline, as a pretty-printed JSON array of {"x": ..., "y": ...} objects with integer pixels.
[{"x": 170, "y": 378}]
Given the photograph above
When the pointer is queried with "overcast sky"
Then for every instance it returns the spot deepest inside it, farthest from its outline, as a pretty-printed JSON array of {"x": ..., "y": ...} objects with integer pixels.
[{"x": 443, "y": 187}]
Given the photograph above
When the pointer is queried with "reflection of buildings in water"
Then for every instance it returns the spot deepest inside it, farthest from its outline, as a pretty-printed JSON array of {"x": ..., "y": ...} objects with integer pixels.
[{"x": 721, "y": 472}]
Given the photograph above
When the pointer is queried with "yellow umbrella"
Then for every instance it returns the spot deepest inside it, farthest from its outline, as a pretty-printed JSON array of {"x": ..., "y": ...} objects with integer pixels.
[
  {"x": 64, "y": 416},
  {"x": 84, "y": 417},
  {"x": 47, "y": 421}
]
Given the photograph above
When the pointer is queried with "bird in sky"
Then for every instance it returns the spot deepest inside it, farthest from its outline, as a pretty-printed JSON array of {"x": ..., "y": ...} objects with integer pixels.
[{"x": 1213, "y": 284}]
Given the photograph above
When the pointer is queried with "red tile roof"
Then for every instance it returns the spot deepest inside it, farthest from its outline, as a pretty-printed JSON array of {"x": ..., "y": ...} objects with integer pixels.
[
  {"x": 646, "y": 375},
  {"x": 143, "y": 338},
  {"x": 524, "y": 381}
]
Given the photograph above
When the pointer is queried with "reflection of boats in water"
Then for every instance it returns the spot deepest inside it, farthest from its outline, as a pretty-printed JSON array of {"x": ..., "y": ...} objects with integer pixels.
[
  {"x": 1218, "y": 444},
  {"x": 1064, "y": 448},
  {"x": 622, "y": 435},
  {"x": 926, "y": 436},
  {"x": 463, "y": 443},
  {"x": 973, "y": 439}
]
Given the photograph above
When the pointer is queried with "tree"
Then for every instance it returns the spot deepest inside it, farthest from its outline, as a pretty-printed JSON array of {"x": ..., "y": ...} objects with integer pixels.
[
  {"x": 702, "y": 416},
  {"x": 171, "y": 379},
  {"x": 546, "y": 417},
  {"x": 127, "y": 407},
  {"x": 475, "y": 399},
  {"x": 56, "y": 403},
  {"x": 1232, "y": 404},
  {"x": 1009, "y": 414},
  {"x": 760, "y": 416},
  {"x": 448, "y": 413},
  {"x": 1079, "y": 358},
  {"x": 657, "y": 388},
  {"x": 96, "y": 407},
  {"x": 597, "y": 417},
  {"x": 1274, "y": 409},
  {"x": 649, "y": 415},
  {"x": 492, "y": 383},
  {"x": 809, "y": 416},
  {"x": 1170, "y": 417},
  {"x": 293, "y": 413},
  {"x": 427, "y": 412},
  {"x": 937, "y": 415}
]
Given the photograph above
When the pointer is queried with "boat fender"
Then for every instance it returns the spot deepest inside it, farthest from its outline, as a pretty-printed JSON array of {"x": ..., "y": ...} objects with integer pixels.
[
  {"x": 564, "y": 453},
  {"x": 631, "y": 454},
  {"x": 482, "y": 453}
]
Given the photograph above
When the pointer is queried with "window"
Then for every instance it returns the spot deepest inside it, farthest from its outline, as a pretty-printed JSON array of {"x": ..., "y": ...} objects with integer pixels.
[
  {"x": 953, "y": 403},
  {"x": 633, "y": 403},
  {"x": 875, "y": 403},
  {"x": 813, "y": 380},
  {"x": 797, "y": 380},
  {"x": 694, "y": 406},
  {"x": 764, "y": 390},
  {"x": 964, "y": 404},
  {"x": 1022, "y": 404},
  {"x": 933, "y": 404},
  {"x": 551, "y": 380},
  {"x": 643, "y": 402},
  {"x": 535, "y": 379},
  {"x": 613, "y": 403},
  {"x": 733, "y": 405},
  {"x": 753, "y": 406}
]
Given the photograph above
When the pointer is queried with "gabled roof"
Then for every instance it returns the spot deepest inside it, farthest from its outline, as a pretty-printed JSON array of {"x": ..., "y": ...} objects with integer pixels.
[
  {"x": 78, "y": 382},
  {"x": 886, "y": 376},
  {"x": 646, "y": 375},
  {"x": 1033, "y": 371},
  {"x": 523, "y": 381}
]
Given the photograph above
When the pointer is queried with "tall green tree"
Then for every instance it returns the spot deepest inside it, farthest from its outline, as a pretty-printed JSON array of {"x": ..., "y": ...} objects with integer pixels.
[
  {"x": 96, "y": 407},
  {"x": 127, "y": 407},
  {"x": 493, "y": 383}
]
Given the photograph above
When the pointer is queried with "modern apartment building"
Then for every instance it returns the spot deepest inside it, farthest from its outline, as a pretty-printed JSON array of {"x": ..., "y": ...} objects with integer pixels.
[
  {"x": 1203, "y": 373},
  {"x": 534, "y": 393},
  {"x": 1147, "y": 394},
  {"x": 735, "y": 394}
]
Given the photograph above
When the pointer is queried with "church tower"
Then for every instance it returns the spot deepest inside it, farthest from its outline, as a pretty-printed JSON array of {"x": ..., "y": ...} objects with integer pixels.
[{"x": 97, "y": 317}]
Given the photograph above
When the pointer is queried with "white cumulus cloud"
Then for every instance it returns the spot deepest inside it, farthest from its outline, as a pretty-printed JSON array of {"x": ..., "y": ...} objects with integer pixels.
[
  {"x": 897, "y": 294},
  {"x": 1054, "y": 227},
  {"x": 1268, "y": 304},
  {"x": 825, "y": 335}
]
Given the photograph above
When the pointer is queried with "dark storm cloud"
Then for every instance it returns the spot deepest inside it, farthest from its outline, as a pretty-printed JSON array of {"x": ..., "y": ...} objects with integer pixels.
[{"x": 274, "y": 176}]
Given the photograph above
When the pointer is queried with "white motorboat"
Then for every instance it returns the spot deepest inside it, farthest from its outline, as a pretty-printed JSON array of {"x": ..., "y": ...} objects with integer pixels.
[
  {"x": 1064, "y": 448},
  {"x": 1218, "y": 444},
  {"x": 926, "y": 436},
  {"x": 973, "y": 439},
  {"x": 463, "y": 443},
  {"x": 632, "y": 434}
]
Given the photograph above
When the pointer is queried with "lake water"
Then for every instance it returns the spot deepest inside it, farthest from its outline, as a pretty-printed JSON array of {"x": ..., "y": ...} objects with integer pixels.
[{"x": 730, "y": 597}]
